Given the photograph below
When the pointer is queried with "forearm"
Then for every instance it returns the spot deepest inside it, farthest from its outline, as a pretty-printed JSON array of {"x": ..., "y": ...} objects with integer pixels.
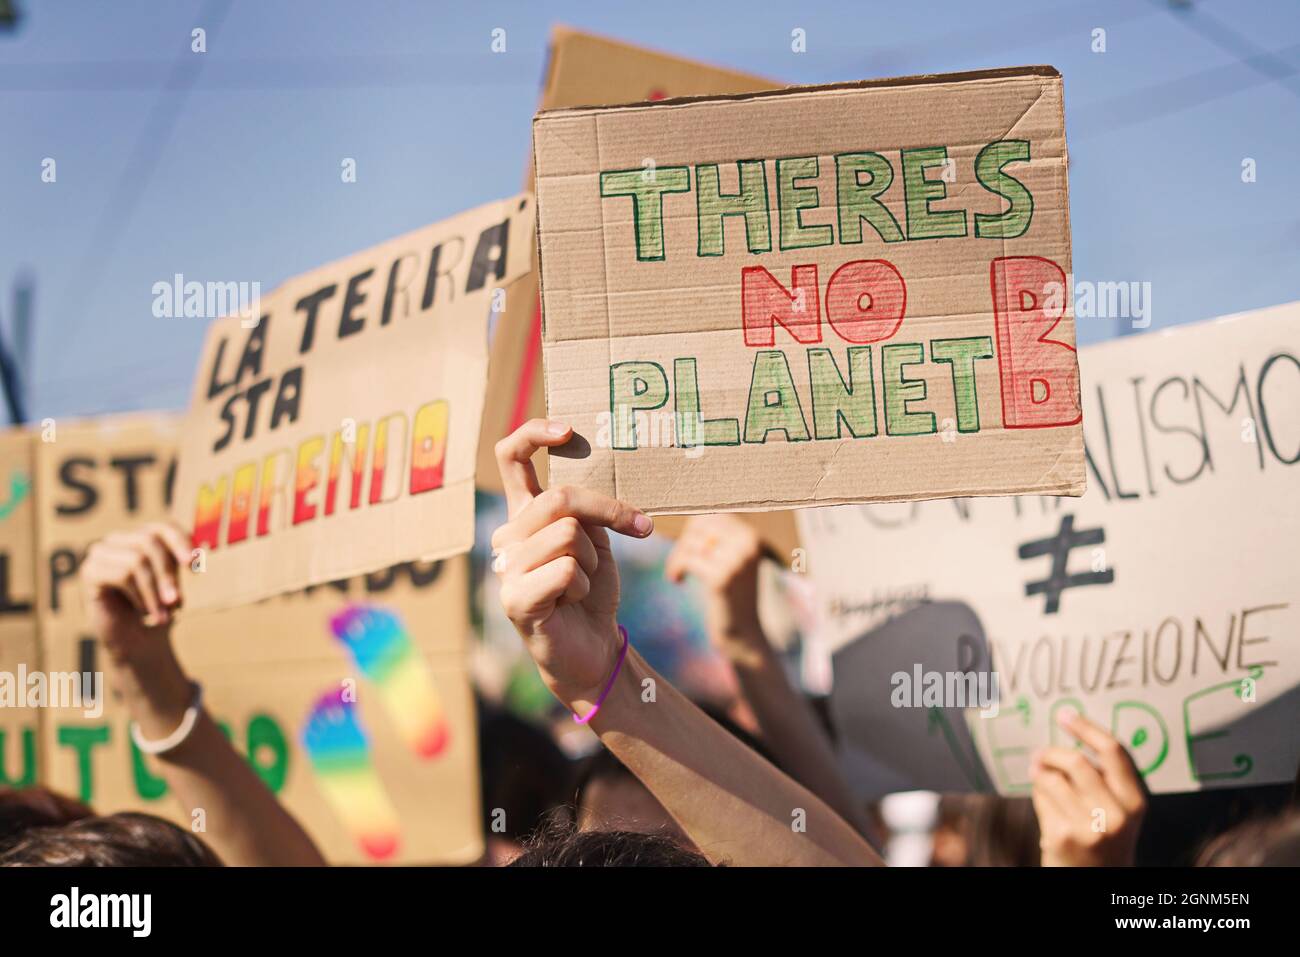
[
  {"x": 735, "y": 806},
  {"x": 244, "y": 823},
  {"x": 791, "y": 730}
]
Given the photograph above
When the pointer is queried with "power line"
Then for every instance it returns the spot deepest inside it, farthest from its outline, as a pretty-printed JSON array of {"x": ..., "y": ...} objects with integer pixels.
[
  {"x": 141, "y": 164},
  {"x": 1181, "y": 93},
  {"x": 1266, "y": 64}
]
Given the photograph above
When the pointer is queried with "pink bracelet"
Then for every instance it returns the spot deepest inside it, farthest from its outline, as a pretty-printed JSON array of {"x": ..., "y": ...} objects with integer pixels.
[{"x": 609, "y": 685}]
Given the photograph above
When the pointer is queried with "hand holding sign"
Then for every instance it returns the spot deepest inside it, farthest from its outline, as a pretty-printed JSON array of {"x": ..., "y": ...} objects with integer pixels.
[
  {"x": 1089, "y": 814},
  {"x": 559, "y": 582}
]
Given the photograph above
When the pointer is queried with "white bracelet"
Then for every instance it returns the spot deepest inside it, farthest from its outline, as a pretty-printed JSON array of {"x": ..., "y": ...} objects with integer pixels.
[{"x": 177, "y": 737}]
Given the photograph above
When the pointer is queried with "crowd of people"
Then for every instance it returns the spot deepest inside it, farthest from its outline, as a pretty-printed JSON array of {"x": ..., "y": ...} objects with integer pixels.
[{"x": 674, "y": 784}]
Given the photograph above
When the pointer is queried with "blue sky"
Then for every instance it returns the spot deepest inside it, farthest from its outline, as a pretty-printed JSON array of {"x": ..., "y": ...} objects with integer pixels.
[{"x": 225, "y": 165}]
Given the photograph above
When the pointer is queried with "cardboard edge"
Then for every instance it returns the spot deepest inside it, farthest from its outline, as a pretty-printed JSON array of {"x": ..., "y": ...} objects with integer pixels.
[
  {"x": 921, "y": 79},
  {"x": 561, "y": 33}
]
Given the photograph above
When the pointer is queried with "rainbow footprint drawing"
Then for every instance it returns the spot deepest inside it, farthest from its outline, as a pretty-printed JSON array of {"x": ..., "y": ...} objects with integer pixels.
[
  {"x": 383, "y": 652},
  {"x": 340, "y": 757}
]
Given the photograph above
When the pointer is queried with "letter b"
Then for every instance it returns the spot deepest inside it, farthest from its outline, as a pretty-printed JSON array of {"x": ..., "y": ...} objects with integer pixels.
[{"x": 1039, "y": 375}]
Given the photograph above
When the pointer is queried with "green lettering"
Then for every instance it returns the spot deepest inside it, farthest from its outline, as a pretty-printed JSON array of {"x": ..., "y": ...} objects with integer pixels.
[
  {"x": 860, "y": 200},
  {"x": 27, "y": 778},
  {"x": 712, "y": 207},
  {"x": 692, "y": 428},
  {"x": 634, "y": 387},
  {"x": 961, "y": 354},
  {"x": 838, "y": 404},
  {"x": 1014, "y": 220},
  {"x": 82, "y": 739},
  {"x": 900, "y": 390},
  {"x": 919, "y": 192},
  {"x": 773, "y": 401},
  {"x": 647, "y": 187},
  {"x": 792, "y": 200}
]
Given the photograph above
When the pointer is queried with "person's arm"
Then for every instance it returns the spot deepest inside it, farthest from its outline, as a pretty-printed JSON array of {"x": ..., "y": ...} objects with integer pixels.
[
  {"x": 723, "y": 553},
  {"x": 1089, "y": 815},
  {"x": 560, "y": 587},
  {"x": 132, "y": 591}
]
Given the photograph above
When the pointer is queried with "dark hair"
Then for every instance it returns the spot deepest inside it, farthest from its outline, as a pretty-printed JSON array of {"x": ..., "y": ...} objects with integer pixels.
[
  {"x": 562, "y": 845},
  {"x": 1262, "y": 842},
  {"x": 117, "y": 840},
  {"x": 522, "y": 772},
  {"x": 21, "y": 810}
]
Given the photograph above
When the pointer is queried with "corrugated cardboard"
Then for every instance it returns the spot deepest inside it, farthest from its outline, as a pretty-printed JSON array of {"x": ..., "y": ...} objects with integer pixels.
[
  {"x": 358, "y": 451},
  {"x": 583, "y": 69},
  {"x": 19, "y": 650},
  {"x": 1164, "y": 603},
  {"x": 708, "y": 263},
  {"x": 262, "y": 665}
]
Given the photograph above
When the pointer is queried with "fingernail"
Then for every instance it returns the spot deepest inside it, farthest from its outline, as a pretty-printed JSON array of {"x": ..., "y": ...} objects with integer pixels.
[
  {"x": 1064, "y": 717},
  {"x": 643, "y": 524},
  {"x": 556, "y": 429},
  {"x": 168, "y": 593},
  {"x": 498, "y": 561}
]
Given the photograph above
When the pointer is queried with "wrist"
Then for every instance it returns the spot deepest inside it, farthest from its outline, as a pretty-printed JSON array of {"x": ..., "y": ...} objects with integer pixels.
[
  {"x": 156, "y": 692},
  {"x": 585, "y": 703},
  {"x": 625, "y": 694}
]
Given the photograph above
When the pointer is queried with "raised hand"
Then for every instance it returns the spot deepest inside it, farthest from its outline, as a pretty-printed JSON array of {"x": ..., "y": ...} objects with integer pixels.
[
  {"x": 132, "y": 587},
  {"x": 559, "y": 583},
  {"x": 1089, "y": 813},
  {"x": 723, "y": 552}
]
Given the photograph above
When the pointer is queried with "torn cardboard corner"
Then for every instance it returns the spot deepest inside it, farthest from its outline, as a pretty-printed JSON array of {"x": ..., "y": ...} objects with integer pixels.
[
  {"x": 812, "y": 296},
  {"x": 335, "y": 432}
]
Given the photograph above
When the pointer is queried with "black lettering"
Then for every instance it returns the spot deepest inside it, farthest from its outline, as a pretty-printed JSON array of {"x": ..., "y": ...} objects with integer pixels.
[{"x": 354, "y": 297}]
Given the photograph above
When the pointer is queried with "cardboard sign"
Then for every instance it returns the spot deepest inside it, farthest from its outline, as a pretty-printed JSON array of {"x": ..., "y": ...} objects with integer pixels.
[
  {"x": 812, "y": 296},
  {"x": 265, "y": 668},
  {"x": 1164, "y": 604},
  {"x": 336, "y": 432},
  {"x": 581, "y": 70},
  {"x": 19, "y": 651},
  {"x": 588, "y": 70}
]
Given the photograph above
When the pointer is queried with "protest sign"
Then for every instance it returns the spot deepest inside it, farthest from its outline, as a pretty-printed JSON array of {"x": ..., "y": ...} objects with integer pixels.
[
  {"x": 581, "y": 70},
  {"x": 807, "y": 296},
  {"x": 335, "y": 432},
  {"x": 1164, "y": 603},
  {"x": 19, "y": 650},
  {"x": 265, "y": 669},
  {"x": 585, "y": 70}
]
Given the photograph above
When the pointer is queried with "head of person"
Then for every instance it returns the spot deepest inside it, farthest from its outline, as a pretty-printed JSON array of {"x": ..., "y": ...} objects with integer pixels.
[
  {"x": 611, "y": 798},
  {"x": 985, "y": 830},
  {"x": 22, "y": 809},
  {"x": 563, "y": 845},
  {"x": 1264, "y": 842},
  {"x": 114, "y": 840},
  {"x": 524, "y": 777}
]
